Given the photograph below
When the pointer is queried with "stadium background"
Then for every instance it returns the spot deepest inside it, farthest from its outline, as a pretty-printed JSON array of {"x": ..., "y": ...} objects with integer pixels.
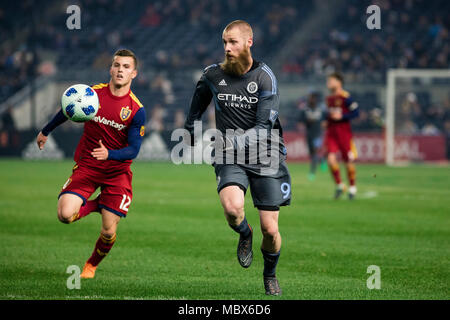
[
  {"x": 399, "y": 222},
  {"x": 302, "y": 41}
]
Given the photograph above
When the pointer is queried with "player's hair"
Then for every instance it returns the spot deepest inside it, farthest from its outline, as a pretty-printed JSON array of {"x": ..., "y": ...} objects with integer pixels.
[
  {"x": 337, "y": 76},
  {"x": 242, "y": 25},
  {"x": 126, "y": 53}
]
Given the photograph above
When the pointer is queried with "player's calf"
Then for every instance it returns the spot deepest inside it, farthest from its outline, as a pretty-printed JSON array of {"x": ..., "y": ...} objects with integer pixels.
[
  {"x": 269, "y": 228},
  {"x": 351, "y": 172},
  {"x": 104, "y": 243},
  {"x": 270, "y": 249},
  {"x": 232, "y": 199},
  {"x": 234, "y": 212}
]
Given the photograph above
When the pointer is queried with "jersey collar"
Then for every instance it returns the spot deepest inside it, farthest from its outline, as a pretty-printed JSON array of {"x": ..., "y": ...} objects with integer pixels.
[{"x": 117, "y": 97}]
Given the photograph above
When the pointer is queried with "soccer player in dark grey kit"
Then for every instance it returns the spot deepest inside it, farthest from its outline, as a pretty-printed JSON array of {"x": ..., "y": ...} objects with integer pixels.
[
  {"x": 313, "y": 115},
  {"x": 246, "y": 98}
]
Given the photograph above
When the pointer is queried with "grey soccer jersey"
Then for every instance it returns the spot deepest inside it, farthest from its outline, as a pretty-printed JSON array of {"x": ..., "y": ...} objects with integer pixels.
[
  {"x": 250, "y": 101},
  {"x": 313, "y": 117}
]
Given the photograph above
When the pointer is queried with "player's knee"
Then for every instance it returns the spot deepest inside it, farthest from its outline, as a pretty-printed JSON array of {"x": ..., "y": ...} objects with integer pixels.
[
  {"x": 331, "y": 158},
  {"x": 109, "y": 231},
  {"x": 233, "y": 208},
  {"x": 269, "y": 232},
  {"x": 65, "y": 214}
]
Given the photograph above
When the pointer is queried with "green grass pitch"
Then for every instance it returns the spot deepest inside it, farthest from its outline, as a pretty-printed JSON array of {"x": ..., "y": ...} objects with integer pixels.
[{"x": 176, "y": 244}]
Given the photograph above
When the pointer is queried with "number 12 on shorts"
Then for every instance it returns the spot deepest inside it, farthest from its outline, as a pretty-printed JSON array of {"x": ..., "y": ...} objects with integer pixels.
[{"x": 126, "y": 200}]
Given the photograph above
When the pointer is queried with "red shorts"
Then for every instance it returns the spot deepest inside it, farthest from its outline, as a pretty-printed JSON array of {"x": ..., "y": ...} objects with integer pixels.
[
  {"x": 343, "y": 143},
  {"x": 116, "y": 192}
]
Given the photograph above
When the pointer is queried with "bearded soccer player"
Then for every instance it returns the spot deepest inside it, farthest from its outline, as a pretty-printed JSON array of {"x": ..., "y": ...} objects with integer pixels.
[
  {"x": 338, "y": 137},
  {"x": 103, "y": 157},
  {"x": 246, "y": 98}
]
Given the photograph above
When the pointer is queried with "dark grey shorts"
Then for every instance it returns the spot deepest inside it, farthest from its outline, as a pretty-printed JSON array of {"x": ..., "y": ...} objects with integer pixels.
[{"x": 268, "y": 192}]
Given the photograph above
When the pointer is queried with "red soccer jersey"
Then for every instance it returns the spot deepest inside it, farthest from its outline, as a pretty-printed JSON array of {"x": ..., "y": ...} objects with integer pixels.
[
  {"x": 110, "y": 125},
  {"x": 345, "y": 103}
]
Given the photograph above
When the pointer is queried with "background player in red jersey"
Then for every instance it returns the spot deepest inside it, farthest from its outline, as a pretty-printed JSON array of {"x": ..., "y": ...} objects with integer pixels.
[
  {"x": 338, "y": 137},
  {"x": 103, "y": 157}
]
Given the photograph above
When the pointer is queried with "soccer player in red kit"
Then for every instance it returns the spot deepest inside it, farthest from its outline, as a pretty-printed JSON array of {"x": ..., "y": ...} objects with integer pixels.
[
  {"x": 103, "y": 157},
  {"x": 338, "y": 137}
]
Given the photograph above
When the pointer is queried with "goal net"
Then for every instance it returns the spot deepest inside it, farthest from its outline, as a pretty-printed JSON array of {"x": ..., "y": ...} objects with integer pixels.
[{"x": 417, "y": 104}]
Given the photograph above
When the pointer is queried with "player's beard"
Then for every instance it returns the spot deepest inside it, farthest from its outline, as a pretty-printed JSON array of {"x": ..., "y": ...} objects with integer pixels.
[{"x": 238, "y": 65}]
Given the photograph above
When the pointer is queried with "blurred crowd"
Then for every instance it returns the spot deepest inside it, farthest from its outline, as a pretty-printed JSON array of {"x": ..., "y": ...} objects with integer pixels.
[
  {"x": 423, "y": 116},
  {"x": 413, "y": 34},
  {"x": 174, "y": 37}
]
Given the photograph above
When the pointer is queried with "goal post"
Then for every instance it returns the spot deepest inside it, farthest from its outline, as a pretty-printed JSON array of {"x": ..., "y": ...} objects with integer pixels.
[{"x": 409, "y": 82}]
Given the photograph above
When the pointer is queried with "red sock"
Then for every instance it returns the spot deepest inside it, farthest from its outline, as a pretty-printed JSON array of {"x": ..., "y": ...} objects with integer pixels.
[
  {"x": 335, "y": 173},
  {"x": 102, "y": 247},
  {"x": 90, "y": 206},
  {"x": 351, "y": 172}
]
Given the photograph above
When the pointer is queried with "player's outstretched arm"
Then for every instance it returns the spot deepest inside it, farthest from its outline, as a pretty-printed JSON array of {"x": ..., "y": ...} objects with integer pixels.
[
  {"x": 353, "y": 107},
  {"x": 58, "y": 119},
  {"x": 200, "y": 101}
]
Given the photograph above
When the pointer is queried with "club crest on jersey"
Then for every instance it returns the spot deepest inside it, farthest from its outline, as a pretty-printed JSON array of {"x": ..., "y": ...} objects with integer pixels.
[
  {"x": 252, "y": 87},
  {"x": 273, "y": 115},
  {"x": 125, "y": 113}
]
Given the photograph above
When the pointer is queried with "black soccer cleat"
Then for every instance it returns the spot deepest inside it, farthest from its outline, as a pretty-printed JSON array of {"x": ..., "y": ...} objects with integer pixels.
[
  {"x": 272, "y": 286},
  {"x": 351, "y": 196},
  {"x": 244, "y": 250},
  {"x": 338, "y": 193}
]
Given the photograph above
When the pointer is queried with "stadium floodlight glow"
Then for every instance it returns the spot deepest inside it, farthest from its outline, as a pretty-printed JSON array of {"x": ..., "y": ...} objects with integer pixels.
[{"x": 391, "y": 89}]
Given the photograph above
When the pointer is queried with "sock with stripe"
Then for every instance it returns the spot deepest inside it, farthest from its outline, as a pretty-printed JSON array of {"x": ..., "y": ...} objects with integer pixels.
[
  {"x": 351, "y": 172},
  {"x": 243, "y": 228},
  {"x": 335, "y": 173},
  {"x": 102, "y": 247},
  {"x": 90, "y": 206},
  {"x": 270, "y": 262}
]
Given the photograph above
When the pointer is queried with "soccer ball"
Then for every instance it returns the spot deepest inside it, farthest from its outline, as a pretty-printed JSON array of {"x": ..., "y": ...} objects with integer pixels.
[{"x": 79, "y": 103}]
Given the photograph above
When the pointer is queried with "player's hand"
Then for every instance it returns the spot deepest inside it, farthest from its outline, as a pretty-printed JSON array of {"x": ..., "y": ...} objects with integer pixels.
[
  {"x": 41, "y": 140},
  {"x": 224, "y": 143},
  {"x": 100, "y": 153},
  {"x": 336, "y": 115},
  {"x": 189, "y": 139}
]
